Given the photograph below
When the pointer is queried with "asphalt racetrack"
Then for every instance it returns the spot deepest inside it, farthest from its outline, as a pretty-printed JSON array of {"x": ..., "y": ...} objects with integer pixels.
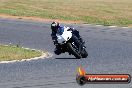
[{"x": 109, "y": 48}]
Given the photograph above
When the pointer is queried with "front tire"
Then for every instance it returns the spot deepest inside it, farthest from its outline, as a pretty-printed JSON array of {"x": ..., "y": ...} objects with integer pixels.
[{"x": 73, "y": 51}]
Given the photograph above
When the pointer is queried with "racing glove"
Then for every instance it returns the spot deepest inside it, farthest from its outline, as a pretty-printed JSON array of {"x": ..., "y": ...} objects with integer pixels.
[{"x": 55, "y": 42}]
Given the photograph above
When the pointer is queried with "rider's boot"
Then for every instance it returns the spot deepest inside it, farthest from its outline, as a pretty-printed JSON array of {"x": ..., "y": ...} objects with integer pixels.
[{"x": 57, "y": 50}]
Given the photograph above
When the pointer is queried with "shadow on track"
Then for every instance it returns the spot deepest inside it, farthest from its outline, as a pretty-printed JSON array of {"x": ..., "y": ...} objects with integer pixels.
[{"x": 65, "y": 58}]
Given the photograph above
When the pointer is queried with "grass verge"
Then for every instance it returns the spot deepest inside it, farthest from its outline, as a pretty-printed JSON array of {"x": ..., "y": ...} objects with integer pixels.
[
  {"x": 104, "y": 12},
  {"x": 9, "y": 53}
]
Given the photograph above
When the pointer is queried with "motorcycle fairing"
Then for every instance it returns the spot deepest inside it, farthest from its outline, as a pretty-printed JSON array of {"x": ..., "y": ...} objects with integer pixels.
[{"x": 63, "y": 35}]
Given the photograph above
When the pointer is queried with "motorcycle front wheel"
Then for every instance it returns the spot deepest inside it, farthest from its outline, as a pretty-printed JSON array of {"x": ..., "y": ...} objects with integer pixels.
[{"x": 73, "y": 51}]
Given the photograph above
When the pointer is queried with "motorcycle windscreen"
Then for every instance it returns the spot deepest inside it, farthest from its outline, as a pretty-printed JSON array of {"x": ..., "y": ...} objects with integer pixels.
[{"x": 60, "y": 30}]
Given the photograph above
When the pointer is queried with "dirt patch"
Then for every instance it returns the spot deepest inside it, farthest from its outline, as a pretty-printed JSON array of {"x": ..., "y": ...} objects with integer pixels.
[
  {"x": 130, "y": 26},
  {"x": 38, "y": 19}
]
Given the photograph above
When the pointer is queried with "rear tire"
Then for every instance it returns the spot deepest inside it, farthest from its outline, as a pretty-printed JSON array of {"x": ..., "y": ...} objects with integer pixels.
[
  {"x": 84, "y": 54},
  {"x": 73, "y": 51}
]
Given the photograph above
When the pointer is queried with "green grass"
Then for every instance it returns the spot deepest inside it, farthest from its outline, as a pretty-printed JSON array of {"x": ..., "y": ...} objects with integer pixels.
[
  {"x": 8, "y": 53},
  {"x": 105, "y": 12}
]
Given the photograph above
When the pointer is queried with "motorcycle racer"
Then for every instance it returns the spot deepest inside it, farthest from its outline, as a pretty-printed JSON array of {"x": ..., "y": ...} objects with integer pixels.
[{"x": 55, "y": 26}]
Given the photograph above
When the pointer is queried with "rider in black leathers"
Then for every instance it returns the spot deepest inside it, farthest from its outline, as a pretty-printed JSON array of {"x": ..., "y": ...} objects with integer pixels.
[{"x": 54, "y": 27}]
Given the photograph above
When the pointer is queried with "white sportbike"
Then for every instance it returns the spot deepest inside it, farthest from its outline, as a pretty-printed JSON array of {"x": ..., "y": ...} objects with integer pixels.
[{"x": 70, "y": 43}]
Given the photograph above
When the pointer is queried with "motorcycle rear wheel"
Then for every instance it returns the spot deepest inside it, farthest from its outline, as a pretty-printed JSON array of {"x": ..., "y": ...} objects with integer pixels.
[{"x": 84, "y": 54}]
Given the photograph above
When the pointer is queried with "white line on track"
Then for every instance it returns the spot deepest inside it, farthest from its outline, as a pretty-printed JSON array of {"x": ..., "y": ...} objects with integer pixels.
[{"x": 43, "y": 56}]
